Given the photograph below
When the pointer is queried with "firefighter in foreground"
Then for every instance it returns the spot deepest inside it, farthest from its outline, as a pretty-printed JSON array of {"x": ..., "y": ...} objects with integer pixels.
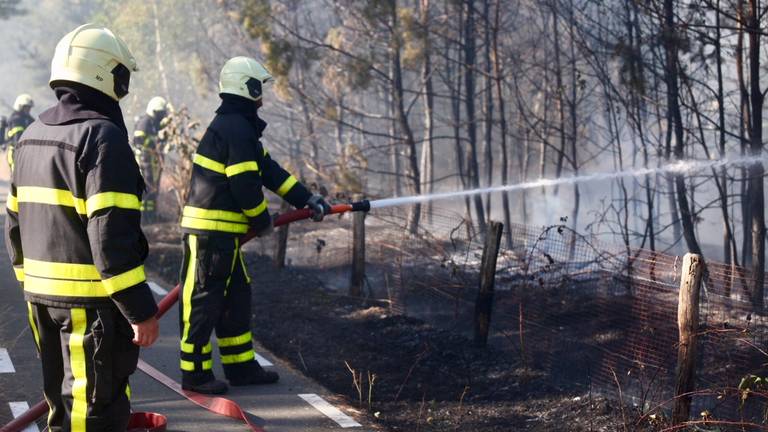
[
  {"x": 19, "y": 120},
  {"x": 73, "y": 234},
  {"x": 148, "y": 150},
  {"x": 225, "y": 201}
]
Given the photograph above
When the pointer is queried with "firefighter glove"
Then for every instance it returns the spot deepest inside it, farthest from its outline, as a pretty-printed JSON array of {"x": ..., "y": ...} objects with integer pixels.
[{"x": 319, "y": 207}]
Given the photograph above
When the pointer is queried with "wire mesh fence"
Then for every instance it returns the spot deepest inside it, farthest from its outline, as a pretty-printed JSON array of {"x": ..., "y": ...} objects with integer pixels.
[{"x": 588, "y": 315}]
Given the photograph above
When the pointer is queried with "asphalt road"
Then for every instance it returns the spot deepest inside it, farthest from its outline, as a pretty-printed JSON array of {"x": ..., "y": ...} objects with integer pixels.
[{"x": 282, "y": 407}]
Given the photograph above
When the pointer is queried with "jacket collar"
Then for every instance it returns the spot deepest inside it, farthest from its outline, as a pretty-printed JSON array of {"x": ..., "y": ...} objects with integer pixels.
[
  {"x": 233, "y": 104},
  {"x": 78, "y": 102}
]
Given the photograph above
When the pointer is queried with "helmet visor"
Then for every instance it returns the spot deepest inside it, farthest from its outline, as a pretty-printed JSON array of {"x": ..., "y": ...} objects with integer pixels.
[{"x": 122, "y": 79}]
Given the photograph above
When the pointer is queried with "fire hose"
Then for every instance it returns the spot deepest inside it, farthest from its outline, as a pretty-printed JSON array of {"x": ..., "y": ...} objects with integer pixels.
[{"x": 216, "y": 405}]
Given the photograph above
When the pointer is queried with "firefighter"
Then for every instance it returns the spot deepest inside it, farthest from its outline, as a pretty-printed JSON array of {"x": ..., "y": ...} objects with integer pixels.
[
  {"x": 19, "y": 120},
  {"x": 148, "y": 150},
  {"x": 74, "y": 237},
  {"x": 225, "y": 201}
]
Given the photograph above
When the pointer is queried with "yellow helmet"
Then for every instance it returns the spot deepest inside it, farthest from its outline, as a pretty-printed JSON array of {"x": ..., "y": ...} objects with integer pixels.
[
  {"x": 94, "y": 56},
  {"x": 243, "y": 76},
  {"x": 156, "y": 104},
  {"x": 23, "y": 100}
]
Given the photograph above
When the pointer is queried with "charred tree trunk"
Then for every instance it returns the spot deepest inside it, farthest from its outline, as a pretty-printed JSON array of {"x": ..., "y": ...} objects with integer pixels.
[
  {"x": 308, "y": 122},
  {"x": 488, "y": 148},
  {"x": 395, "y": 142},
  {"x": 573, "y": 106},
  {"x": 744, "y": 126},
  {"x": 414, "y": 213},
  {"x": 673, "y": 105},
  {"x": 756, "y": 170},
  {"x": 729, "y": 250},
  {"x": 340, "y": 147},
  {"x": 559, "y": 94},
  {"x": 503, "y": 123},
  {"x": 470, "y": 63},
  {"x": 427, "y": 149}
]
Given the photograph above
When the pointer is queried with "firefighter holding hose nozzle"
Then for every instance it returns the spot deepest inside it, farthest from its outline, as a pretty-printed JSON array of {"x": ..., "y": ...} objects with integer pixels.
[
  {"x": 74, "y": 237},
  {"x": 225, "y": 201}
]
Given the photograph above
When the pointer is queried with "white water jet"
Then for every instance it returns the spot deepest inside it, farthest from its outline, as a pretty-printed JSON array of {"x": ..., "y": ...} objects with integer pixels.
[{"x": 677, "y": 167}]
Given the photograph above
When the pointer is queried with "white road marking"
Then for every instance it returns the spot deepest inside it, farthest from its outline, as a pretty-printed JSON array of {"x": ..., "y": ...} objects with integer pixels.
[
  {"x": 19, "y": 408},
  {"x": 262, "y": 361},
  {"x": 157, "y": 288},
  {"x": 330, "y": 411},
  {"x": 6, "y": 365}
]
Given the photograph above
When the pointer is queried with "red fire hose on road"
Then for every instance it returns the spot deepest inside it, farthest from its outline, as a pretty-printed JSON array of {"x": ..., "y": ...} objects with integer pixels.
[{"x": 41, "y": 408}]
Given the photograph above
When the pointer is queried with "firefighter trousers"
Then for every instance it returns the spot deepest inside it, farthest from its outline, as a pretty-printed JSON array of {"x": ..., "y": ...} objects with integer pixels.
[
  {"x": 215, "y": 295},
  {"x": 149, "y": 170},
  {"x": 87, "y": 356}
]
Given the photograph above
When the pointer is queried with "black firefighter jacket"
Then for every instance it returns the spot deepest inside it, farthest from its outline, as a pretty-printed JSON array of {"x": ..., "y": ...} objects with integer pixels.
[
  {"x": 145, "y": 136},
  {"x": 229, "y": 169},
  {"x": 72, "y": 229}
]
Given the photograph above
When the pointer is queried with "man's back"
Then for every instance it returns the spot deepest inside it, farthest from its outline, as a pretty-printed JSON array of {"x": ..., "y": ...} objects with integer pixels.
[{"x": 75, "y": 195}]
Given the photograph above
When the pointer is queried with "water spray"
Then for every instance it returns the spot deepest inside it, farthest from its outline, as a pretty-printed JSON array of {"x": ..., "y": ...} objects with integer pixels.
[{"x": 677, "y": 167}]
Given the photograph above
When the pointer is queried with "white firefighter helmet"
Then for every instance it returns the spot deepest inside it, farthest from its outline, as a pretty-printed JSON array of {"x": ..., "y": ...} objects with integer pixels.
[
  {"x": 23, "y": 100},
  {"x": 94, "y": 56},
  {"x": 155, "y": 105},
  {"x": 244, "y": 76}
]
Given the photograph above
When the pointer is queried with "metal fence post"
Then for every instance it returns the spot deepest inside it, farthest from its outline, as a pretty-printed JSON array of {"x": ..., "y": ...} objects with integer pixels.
[
  {"x": 484, "y": 301},
  {"x": 688, "y": 327}
]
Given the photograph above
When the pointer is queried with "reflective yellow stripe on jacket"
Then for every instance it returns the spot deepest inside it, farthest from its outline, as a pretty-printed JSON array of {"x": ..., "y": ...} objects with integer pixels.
[
  {"x": 221, "y": 168},
  {"x": 233, "y": 170},
  {"x": 75, "y": 280},
  {"x": 287, "y": 186},
  {"x": 214, "y": 220},
  {"x": 259, "y": 209},
  {"x": 43, "y": 195},
  {"x": 209, "y": 164},
  {"x": 65, "y": 198},
  {"x": 14, "y": 131},
  {"x": 12, "y": 203}
]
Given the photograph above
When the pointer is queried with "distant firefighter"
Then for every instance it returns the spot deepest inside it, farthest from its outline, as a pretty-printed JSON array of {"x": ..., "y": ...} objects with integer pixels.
[
  {"x": 148, "y": 150},
  {"x": 17, "y": 123}
]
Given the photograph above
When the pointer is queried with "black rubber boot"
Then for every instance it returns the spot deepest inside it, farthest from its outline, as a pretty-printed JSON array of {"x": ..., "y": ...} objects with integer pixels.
[
  {"x": 206, "y": 384},
  {"x": 250, "y": 374}
]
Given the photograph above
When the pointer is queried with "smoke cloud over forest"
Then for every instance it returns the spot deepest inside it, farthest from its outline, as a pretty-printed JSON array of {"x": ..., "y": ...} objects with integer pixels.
[{"x": 403, "y": 97}]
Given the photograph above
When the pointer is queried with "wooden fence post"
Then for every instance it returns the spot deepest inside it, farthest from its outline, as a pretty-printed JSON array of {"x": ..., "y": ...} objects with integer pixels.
[
  {"x": 282, "y": 241},
  {"x": 358, "y": 251},
  {"x": 484, "y": 301},
  {"x": 688, "y": 327}
]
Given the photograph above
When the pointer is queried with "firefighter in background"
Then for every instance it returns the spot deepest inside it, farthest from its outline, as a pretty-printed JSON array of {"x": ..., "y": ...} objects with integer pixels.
[
  {"x": 225, "y": 201},
  {"x": 74, "y": 237},
  {"x": 148, "y": 152},
  {"x": 17, "y": 123}
]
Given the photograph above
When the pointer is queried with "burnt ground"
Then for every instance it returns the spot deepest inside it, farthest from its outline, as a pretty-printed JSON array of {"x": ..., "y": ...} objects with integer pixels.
[{"x": 412, "y": 374}]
